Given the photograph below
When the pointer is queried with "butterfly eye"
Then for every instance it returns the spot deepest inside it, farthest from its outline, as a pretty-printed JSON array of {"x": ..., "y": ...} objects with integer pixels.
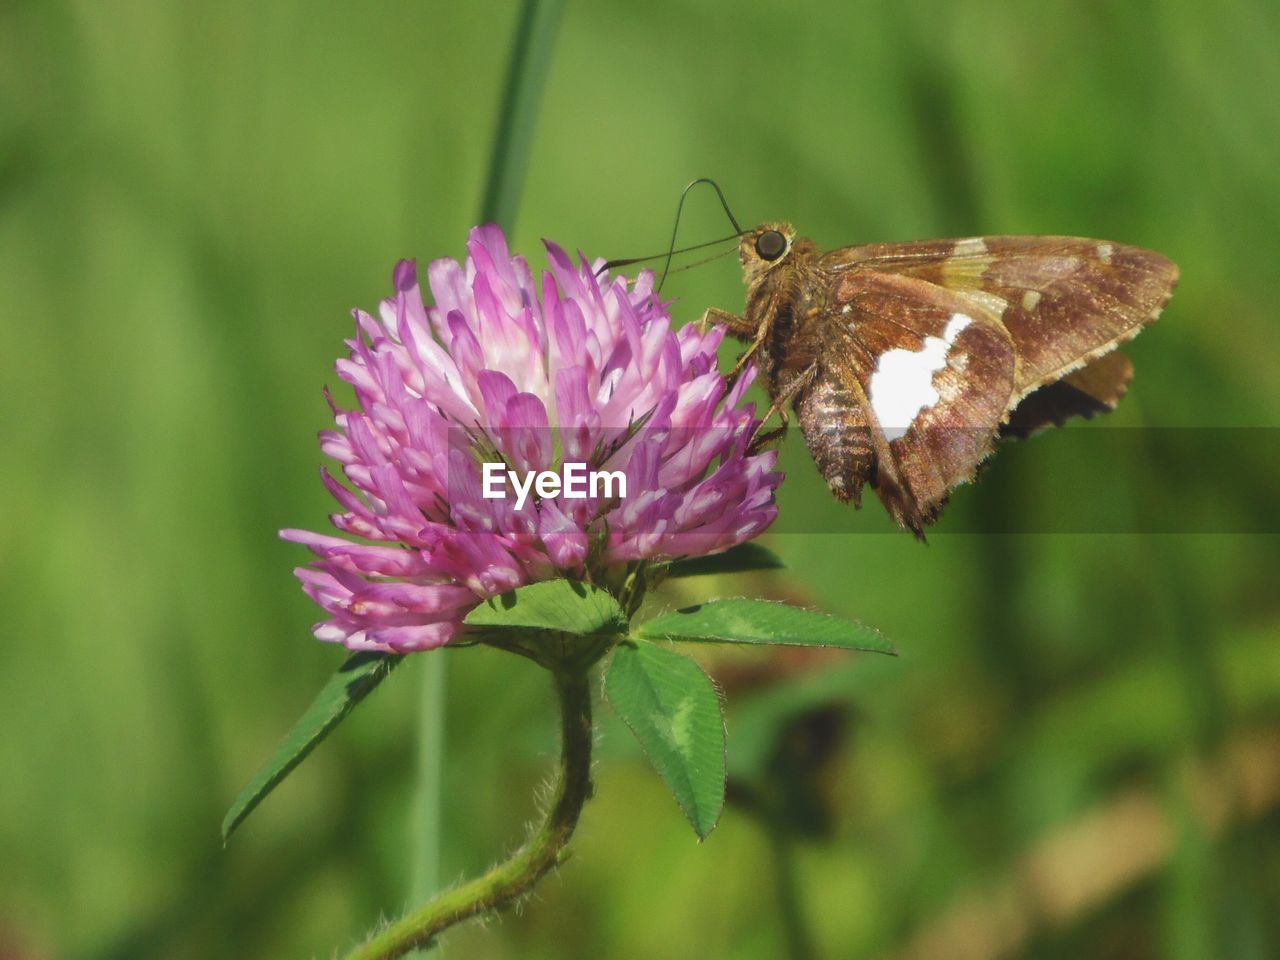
[{"x": 771, "y": 244}]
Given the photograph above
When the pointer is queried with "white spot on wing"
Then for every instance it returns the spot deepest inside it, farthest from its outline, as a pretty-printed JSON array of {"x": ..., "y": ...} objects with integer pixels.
[
  {"x": 972, "y": 247},
  {"x": 1030, "y": 299},
  {"x": 902, "y": 383},
  {"x": 1104, "y": 252}
]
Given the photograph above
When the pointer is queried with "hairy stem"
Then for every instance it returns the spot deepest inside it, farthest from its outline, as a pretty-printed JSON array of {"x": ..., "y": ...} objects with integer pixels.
[
  {"x": 545, "y": 849},
  {"x": 428, "y": 803}
]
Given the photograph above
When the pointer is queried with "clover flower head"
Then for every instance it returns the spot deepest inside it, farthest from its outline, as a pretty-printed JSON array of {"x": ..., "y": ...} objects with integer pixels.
[{"x": 530, "y": 374}]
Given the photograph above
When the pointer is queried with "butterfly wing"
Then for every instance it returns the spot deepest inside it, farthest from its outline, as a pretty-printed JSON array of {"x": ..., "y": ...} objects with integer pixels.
[
  {"x": 1095, "y": 388},
  {"x": 1041, "y": 319},
  {"x": 927, "y": 373},
  {"x": 1066, "y": 301}
]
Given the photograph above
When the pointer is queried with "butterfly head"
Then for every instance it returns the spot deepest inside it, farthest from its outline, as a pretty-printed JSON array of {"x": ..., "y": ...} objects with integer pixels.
[{"x": 764, "y": 248}]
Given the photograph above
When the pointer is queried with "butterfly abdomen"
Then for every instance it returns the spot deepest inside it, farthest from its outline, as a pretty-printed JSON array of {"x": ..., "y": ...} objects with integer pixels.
[{"x": 837, "y": 434}]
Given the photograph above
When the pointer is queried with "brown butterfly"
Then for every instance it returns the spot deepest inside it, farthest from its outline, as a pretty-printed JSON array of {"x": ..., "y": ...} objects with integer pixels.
[{"x": 904, "y": 362}]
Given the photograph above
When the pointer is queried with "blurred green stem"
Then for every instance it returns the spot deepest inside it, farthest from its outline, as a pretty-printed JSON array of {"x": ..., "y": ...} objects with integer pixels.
[
  {"x": 761, "y": 804},
  {"x": 526, "y": 75},
  {"x": 546, "y": 849},
  {"x": 794, "y": 929}
]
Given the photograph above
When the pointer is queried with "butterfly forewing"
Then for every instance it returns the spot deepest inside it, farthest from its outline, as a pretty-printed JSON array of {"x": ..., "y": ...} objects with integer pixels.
[{"x": 1064, "y": 300}]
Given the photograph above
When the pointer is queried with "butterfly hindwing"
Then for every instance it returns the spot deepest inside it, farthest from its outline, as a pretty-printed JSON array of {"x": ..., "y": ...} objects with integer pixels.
[
  {"x": 937, "y": 374},
  {"x": 1095, "y": 388}
]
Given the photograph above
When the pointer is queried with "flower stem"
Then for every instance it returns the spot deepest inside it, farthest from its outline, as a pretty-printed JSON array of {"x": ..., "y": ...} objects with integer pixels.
[
  {"x": 427, "y": 809},
  {"x": 545, "y": 849}
]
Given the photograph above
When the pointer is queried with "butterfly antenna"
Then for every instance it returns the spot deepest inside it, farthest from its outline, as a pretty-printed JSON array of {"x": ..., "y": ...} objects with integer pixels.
[
  {"x": 704, "y": 261},
  {"x": 610, "y": 264},
  {"x": 738, "y": 231},
  {"x": 675, "y": 229}
]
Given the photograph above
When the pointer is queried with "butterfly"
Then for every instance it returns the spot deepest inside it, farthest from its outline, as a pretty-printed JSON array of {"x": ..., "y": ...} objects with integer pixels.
[{"x": 905, "y": 362}]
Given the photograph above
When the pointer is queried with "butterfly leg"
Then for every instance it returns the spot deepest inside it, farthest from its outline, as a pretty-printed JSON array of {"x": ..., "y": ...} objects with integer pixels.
[
  {"x": 740, "y": 328},
  {"x": 761, "y": 440},
  {"x": 779, "y": 406},
  {"x": 749, "y": 353}
]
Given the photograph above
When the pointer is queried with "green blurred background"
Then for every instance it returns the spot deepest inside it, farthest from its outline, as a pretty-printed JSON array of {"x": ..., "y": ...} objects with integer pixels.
[{"x": 1076, "y": 755}]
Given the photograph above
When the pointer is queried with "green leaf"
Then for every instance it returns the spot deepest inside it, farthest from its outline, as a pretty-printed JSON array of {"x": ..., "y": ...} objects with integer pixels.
[
  {"x": 762, "y": 621},
  {"x": 355, "y": 679},
  {"x": 563, "y": 605},
  {"x": 673, "y": 709},
  {"x": 740, "y": 559}
]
